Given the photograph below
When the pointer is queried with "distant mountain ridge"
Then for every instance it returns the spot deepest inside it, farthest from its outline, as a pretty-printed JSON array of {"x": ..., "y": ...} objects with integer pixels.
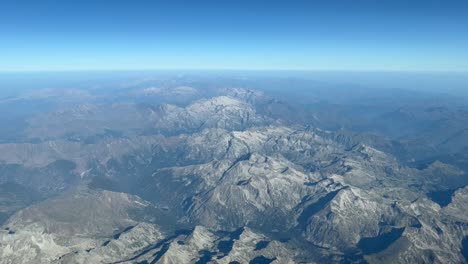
[{"x": 226, "y": 177}]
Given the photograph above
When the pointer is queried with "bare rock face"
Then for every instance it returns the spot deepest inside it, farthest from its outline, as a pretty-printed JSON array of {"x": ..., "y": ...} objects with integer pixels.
[
  {"x": 76, "y": 221},
  {"x": 221, "y": 179}
]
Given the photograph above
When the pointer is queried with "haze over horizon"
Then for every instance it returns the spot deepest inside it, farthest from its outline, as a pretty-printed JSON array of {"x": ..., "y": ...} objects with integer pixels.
[
  {"x": 257, "y": 35},
  {"x": 233, "y": 131}
]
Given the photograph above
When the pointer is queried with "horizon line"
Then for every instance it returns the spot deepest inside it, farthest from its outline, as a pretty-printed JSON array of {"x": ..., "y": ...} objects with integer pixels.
[{"x": 3, "y": 71}]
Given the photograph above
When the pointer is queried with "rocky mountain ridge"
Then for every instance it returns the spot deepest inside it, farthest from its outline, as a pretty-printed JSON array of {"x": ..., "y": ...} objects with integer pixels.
[{"x": 219, "y": 181}]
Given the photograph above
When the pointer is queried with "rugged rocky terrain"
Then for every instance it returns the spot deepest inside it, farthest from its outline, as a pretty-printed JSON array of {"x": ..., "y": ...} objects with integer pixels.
[{"x": 223, "y": 176}]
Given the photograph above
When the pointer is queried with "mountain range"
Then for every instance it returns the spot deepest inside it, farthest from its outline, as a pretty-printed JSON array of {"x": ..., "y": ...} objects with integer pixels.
[{"x": 191, "y": 171}]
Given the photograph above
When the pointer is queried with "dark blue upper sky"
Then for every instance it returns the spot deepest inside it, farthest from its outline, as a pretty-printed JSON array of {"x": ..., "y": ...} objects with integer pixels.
[{"x": 315, "y": 34}]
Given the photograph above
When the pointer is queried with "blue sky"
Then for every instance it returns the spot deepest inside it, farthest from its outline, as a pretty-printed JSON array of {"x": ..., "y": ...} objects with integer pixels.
[{"x": 397, "y": 35}]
